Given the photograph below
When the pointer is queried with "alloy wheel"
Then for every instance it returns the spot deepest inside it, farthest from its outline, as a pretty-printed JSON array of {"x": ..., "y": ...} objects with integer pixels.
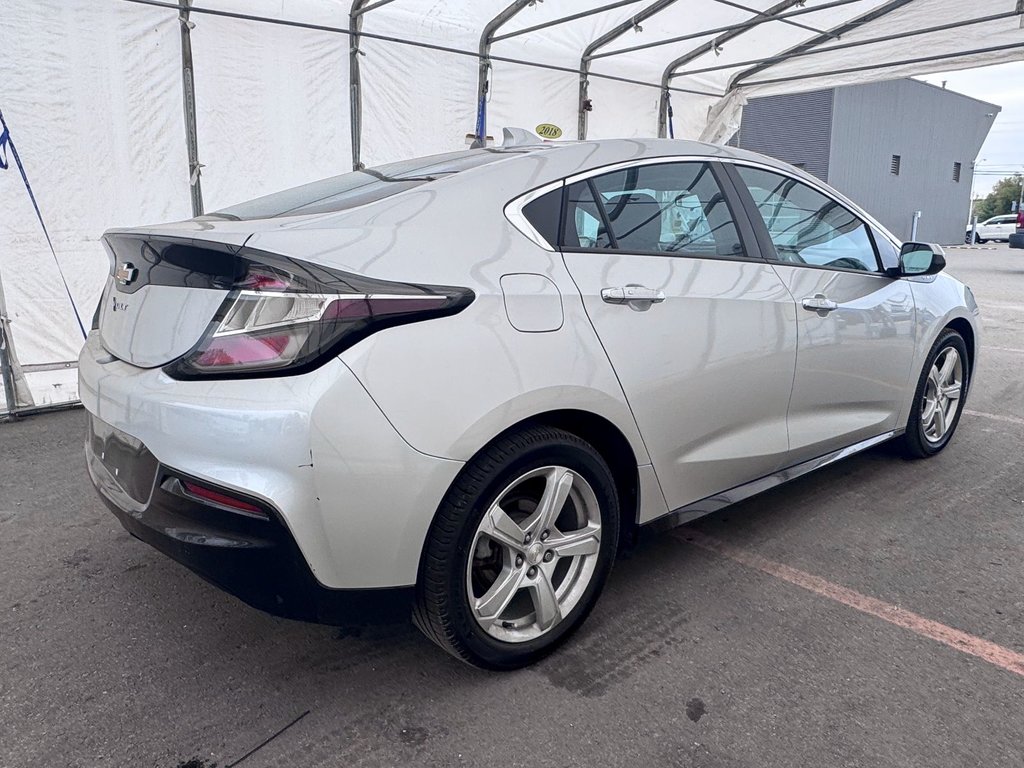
[
  {"x": 942, "y": 393},
  {"x": 534, "y": 553}
]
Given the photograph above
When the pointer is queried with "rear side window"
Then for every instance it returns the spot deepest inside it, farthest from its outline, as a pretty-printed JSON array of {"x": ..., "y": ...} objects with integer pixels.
[
  {"x": 807, "y": 227},
  {"x": 349, "y": 190},
  {"x": 668, "y": 208}
]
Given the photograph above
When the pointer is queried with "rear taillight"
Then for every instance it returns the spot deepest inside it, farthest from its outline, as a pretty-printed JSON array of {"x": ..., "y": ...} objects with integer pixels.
[
  {"x": 284, "y": 316},
  {"x": 1020, "y": 218}
]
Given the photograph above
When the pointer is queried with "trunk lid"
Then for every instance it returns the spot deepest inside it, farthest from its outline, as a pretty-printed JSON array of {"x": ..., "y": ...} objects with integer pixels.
[{"x": 164, "y": 289}]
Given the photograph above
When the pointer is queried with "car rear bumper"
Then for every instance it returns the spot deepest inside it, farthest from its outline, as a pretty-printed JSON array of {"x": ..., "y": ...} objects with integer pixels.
[
  {"x": 251, "y": 556},
  {"x": 354, "y": 498}
]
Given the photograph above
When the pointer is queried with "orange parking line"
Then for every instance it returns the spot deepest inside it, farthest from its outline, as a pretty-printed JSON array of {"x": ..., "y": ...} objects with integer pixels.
[{"x": 1001, "y": 657}]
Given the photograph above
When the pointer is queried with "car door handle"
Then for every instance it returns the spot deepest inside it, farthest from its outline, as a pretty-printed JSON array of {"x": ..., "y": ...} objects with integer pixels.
[
  {"x": 631, "y": 293},
  {"x": 819, "y": 303}
]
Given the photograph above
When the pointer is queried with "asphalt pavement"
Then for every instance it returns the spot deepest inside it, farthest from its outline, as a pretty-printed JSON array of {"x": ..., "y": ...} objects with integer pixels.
[{"x": 870, "y": 614}]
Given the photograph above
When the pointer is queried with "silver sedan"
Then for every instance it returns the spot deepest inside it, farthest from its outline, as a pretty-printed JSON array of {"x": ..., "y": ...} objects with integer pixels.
[{"x": 451, "y": 388}]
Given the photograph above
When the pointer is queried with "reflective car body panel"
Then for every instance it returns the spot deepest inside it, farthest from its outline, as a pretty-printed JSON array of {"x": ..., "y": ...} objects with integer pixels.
[
  {"x": 707, "y": 372},
  {"x": 854, "y": 361},
  {"x": 725, "y": 380}
]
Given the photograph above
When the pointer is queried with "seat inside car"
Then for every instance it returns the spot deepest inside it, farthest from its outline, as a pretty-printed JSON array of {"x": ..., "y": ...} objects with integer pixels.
[{"x": 636, "y": 221}]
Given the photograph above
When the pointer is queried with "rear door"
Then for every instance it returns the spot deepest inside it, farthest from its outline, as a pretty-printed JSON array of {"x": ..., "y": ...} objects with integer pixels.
[
  {"x": 1005, "y": 226},
  {"x": 699, "y": 329},
  {"x": 855, "y": 323}
]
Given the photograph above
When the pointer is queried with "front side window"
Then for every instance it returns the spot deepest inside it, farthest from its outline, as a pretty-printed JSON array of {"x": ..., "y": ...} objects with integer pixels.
[
  {"x": 669, "y": 208},
  {"x": 807, "y": 227}
]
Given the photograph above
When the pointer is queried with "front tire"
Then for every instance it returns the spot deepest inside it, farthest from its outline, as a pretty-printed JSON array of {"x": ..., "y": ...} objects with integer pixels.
[
  {"x": 520, "y": 549},
  {"x": 939, "y": 398}
]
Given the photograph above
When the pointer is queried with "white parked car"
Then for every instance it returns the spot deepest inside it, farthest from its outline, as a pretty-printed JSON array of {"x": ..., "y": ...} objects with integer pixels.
[
  {"x": 997, "y": 228},
  {"x": 454, "y": 387}
]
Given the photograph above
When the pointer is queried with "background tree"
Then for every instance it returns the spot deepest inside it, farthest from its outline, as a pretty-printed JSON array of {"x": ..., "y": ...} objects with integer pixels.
[{"x": 1001, "y": 199}]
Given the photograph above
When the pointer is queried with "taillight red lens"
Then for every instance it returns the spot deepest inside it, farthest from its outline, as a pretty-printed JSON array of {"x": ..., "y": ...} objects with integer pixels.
[
  {"x": 222, "y": 499},
  {"x": 242, "y": 350},
  {"x": 1020, "y": 219},
  {"x": 276, "y": 323}
]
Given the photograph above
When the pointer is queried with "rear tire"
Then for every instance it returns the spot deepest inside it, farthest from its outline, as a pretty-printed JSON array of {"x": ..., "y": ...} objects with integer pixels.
[
  {"x": 520, "y": 550},
  {"x": 939, "y": 398}
]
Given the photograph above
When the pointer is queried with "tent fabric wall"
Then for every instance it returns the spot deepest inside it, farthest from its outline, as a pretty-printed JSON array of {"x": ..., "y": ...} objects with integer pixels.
[{"x": 92, "y": 90}]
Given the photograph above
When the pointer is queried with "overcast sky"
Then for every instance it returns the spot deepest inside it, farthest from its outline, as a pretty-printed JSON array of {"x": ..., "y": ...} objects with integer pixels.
[{"x": 1002, "y": 84}]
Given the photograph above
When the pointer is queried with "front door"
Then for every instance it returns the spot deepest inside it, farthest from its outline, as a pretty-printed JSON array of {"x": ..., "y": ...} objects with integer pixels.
[
  {"x": 700, "y": 330},
  {"x": 855, "y": 324}
]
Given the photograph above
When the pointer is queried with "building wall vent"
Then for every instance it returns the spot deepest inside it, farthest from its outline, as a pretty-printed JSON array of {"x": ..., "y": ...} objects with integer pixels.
[
  {"x": 894, "y": 168},
  {"x": 956, "y": 172}
]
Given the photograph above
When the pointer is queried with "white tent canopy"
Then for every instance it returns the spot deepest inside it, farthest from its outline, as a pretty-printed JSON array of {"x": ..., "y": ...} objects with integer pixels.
[{"x": 93, "y": 94}]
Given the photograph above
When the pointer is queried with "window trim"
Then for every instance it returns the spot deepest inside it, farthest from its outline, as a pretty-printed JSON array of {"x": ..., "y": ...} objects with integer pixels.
[
  {"x": 768, "y": 248},
  {"x": 727, "y": 164},
  {"x": 747, "y": 238}
]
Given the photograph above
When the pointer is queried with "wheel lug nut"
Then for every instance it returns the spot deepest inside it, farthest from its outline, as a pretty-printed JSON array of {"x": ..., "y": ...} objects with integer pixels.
[
  {"x": 549, "y": 556},
  {"x": 532, "y": 572},
  {"x": 519, "y": 561},
  {"x": 544, "y": 536},
  {"x": 528, "y": 537}
]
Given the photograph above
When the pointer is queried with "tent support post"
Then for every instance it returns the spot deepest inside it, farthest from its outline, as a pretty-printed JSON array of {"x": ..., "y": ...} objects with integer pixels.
[
  {"x": 483, "y": 80},
  {"x": 670, "y": 71},
  {"x": 355, "y": 92},
  {"x": 601, "y": 42},
  {"x": 189, "y": 96},
  {"x": 6, "y": 367}
]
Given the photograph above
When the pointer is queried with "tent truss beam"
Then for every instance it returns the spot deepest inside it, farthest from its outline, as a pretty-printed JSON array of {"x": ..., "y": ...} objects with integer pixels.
[
  {"x": 792, "y": 23},
  {"x": 414, "y": 44},
  {"x": 608, "y": 37},
  {"x": 665, "y": 105},
  {"x": 564, "y": 19},
  {"x": 743, "y": 25},
  {"x": 815, "y": 42},
  {"x": 189, "y": 102},
  {"x": 900, "y": 63},
  {"x": 363, "y": 7},
  {"x": 771, "y": 60}
]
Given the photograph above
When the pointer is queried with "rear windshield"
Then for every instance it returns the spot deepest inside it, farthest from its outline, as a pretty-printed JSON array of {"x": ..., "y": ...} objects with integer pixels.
[{"x": 349, "y": 190}]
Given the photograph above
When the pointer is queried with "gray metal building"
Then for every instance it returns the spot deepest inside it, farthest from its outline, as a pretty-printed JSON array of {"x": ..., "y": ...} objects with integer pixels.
[{"x": 894, "y": 147}]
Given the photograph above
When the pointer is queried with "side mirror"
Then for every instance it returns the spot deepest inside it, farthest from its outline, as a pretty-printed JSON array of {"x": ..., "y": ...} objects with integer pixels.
[{"x": 917, "y": 259}]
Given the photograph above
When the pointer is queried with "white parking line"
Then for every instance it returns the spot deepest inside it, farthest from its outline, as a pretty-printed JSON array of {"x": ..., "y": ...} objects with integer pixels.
[
  {"x": 1006, "y": 349},
  {"x": 995, "y": 417}
]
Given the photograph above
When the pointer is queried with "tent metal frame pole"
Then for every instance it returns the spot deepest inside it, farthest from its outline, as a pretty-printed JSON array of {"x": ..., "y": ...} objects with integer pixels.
[
  {"x": 364, "y": 8},
  {"x": 815, "y": 42},
  {"x": 355, "y": 90},
  {"x": 564, "y": 19},
  {"x": 748, "y": 9},
  {"x": 189, "y": 99},
  {"x": 412, "y": 43},
  {"x": 886, "y": 65},
  {"x": 771, "y": 60},
  {"x": 664, "y": 104},
  {"x": 483, "y": 71},
  {"x": 743, "y": 25},
  {"x": 6, "y": 367},
  {"x": 609, "y": 37}
]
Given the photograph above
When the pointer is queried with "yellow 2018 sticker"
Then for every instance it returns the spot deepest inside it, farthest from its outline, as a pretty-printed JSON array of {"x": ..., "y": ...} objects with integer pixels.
[{"x": 548, "y": 131}]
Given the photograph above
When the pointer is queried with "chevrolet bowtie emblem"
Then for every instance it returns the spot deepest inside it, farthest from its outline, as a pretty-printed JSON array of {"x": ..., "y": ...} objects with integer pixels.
[{"x": 126, "y": 273}]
